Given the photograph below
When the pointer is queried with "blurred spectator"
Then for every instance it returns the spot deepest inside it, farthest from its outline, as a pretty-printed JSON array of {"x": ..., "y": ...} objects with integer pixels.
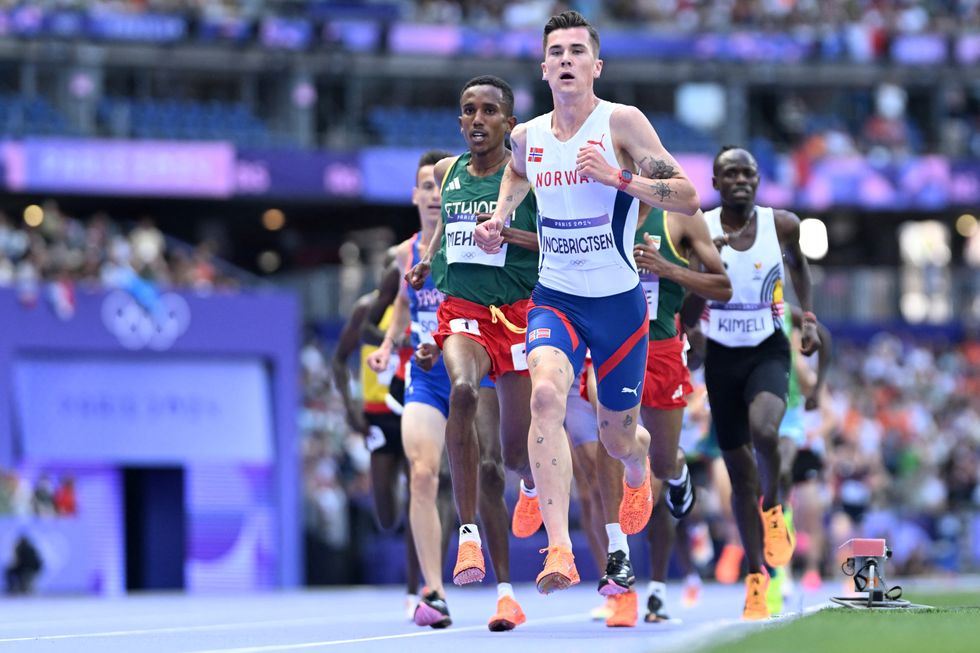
[
  {"x": 23, "y": 568},
  {"x": 42, "y": 502},
  {"x": 147, "y": 244},
  {"x": 65, "y": 502}
]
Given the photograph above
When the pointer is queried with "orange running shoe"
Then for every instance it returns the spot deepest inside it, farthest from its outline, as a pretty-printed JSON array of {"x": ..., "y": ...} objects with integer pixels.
[
  {"x": 637, "y": 504},
  {"x": 469, "y": 564},
  {"x": 527, "y": 516},
  {"x": 509, "y": 615},
  {"x": 778, "y": 544},
  {"x": 756, "y": 586},
  {"x": 624, "y": 610},
  {"x": 559, "y": 571},
  {"x": 729, "y": 565}
]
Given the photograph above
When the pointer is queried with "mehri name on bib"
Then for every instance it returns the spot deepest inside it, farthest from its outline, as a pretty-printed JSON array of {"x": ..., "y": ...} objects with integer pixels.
[{"x": 460, "y": 246}]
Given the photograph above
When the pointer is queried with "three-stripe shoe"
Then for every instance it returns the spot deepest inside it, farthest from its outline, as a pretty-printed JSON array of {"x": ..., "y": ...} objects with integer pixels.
[
  {"x": 680, "y": 498},
  {"x": 619, "y": 577}
]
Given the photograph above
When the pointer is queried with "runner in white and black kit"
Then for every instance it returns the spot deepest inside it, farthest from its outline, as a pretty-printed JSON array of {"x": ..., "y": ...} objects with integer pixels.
[{"x": 747, "y": 359}]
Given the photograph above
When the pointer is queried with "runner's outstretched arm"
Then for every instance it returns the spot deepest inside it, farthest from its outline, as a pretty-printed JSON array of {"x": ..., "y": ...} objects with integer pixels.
[{"x": 514, "y": 187}]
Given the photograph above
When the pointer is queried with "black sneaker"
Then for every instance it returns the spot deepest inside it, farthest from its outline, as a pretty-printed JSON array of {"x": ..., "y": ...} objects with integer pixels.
[
  {"x": 656, "y": 610},
  {"x": 680, "y": 498},
  {"x": 432, "y": 611},
  {"x": 619, "y": 577}
]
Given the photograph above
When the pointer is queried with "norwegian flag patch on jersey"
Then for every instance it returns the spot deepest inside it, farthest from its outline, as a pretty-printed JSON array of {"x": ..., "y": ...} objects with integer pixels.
[{"x": 538, "y": 333}]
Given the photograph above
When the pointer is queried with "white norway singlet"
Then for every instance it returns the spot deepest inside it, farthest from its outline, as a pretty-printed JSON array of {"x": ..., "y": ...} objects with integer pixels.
[
  {"x": 585, "y": 228},
  {"x": 755, "y": 310}
]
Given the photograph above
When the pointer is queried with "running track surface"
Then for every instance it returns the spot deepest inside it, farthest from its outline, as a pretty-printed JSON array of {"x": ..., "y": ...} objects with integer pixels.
[{"x": 363, "y": 619}]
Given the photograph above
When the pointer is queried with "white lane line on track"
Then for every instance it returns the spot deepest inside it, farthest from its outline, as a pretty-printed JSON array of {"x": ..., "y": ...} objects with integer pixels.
[
  {"x": 311, "y": 621},
  {"x": 378, "y": 638}
]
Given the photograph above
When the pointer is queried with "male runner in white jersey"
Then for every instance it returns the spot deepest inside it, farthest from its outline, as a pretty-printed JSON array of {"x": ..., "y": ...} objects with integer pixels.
[
  {"x": 747, "y": 359},
  {"x": 580, "y": 159}
]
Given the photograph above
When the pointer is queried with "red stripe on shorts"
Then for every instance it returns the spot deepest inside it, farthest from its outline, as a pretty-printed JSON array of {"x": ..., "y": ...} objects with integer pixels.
[
  {"x": 561, "y": 316},
  {"x": 620, "y": 353}
]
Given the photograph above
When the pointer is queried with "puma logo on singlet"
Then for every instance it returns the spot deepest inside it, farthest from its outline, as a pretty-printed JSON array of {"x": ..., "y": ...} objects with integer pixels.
[
  {"x": 634, "y": 391},
  {"x": 598, "y": 143},
  {"x": 678, "y": 393}
]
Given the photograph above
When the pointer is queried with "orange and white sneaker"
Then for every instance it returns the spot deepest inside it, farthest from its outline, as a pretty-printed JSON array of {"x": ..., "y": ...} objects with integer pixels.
[
  {"x": 729, "y": 564},
  {"x": 527, "y": 516},
  {"x": 470, "y": 567},
  {"x": 637, "y": 505},
  {"x": 756, "y": 586},
  {"x": 509, "y": 615},
  {"x": 559, "y": 571},
  {"x": 777, "y": 543},
  {"x": 624, "y": 613}
]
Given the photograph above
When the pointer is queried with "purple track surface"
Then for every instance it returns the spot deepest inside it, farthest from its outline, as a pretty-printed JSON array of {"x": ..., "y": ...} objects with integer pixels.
[{"x": 361, "y": 619}]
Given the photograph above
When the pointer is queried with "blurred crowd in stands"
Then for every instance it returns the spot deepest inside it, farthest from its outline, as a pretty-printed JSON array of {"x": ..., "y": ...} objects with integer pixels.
[
  {"x": 901, "y": 16},
  {"x": 60, "y": 252},
  {"x": 899, "y": 433},
  {"x": 904, "y": 449},
  {"x": 44, "y": 496},
  {"x": 883, "y": 17},
  {"x": 337, "y": 502}
]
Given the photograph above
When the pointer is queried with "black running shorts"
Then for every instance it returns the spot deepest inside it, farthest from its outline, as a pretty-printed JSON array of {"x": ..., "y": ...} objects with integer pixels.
[
  {"x": 735, "y": 375},
  {"x": 391, "y": 426}
]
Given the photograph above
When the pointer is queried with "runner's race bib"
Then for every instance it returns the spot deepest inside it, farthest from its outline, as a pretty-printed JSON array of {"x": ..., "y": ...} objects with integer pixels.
[
  {"x": 651, "y": 288},
  {"x": 460, "y": 246},
  {"x": 579, "y": 243},
  {"x": 426, "y": 324}
]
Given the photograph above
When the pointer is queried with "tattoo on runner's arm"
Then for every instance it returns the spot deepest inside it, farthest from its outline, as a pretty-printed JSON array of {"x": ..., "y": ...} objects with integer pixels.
[
  {"x": 663, "y": 190},
  {"x": 657, "y": 168}
]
